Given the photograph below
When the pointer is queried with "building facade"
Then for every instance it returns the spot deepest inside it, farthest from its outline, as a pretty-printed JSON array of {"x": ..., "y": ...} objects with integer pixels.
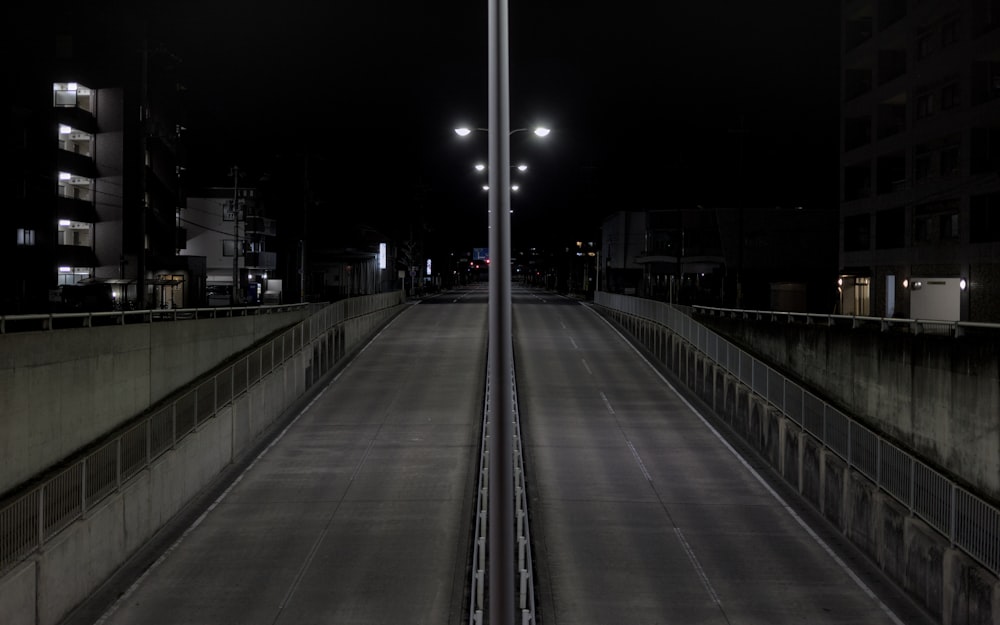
[
  {"x": 920, "y": 159},
  {"x": 753, "y": 258},
  {"x": 95, "y": 187},
  {"x": 226, "y": 226}
]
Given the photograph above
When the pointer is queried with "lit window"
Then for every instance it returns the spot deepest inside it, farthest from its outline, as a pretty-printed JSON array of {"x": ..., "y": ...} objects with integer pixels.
[
  {"x": 75, "y": 187},
  {"x": 73, "y": 140},
  {"x": 72, "y": 95},
  {"x": 25, "y": 236}
]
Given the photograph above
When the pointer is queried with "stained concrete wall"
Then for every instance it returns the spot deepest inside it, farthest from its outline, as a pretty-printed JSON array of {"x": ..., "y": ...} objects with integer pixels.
[
  {"x": 949, "y": 584},
  {"x": 62, "y": 389},
  {"x": 936, "y": 395},
  {"x": 67, "y": 568}
]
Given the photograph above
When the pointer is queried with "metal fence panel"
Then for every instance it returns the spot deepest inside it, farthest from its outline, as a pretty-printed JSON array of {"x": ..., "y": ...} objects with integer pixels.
[
  {"x": 239, "y": 377},
  {"x": 253, "y": 367},
  {"x": 977, "y": 526},
  {"x": 101, "y": 472},
  {"x": 864, "y": 450},
  {"x": 835, "y": 431},
  {"x": 932, "y": 497},
  {"x": 759, "y": 377},
  {"x": 161, "y": 432},
  {"x": 185, "y": 413},
  {"x": 267, "y": 358},
  {"x": 745, "y": 368},
  {"x": 793, "y": 402},
  {"x": 62, "y": 499},
  {"x": 223, "y": 388},
  {"x": 812, "y": 414},
  {"x": 18, "y": 528},
  {"x": 776, "y": 388},
  {"x": 896, "y": 472},
  {"x": 205, "y": 400},
  {"x": 133, "y": 449}
]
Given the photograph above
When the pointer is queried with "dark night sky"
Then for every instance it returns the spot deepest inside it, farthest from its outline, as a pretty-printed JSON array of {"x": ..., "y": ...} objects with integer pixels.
[{"x": 644, "y": 99}]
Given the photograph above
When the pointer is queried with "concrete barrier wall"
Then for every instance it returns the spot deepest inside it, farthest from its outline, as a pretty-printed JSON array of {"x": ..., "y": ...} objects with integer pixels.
[
  {"x": 62, "y": 389},
  {"x": 43, "y": 589},
  {"x": 949, "y": 584},
  {"x": 936, "y": 395}
]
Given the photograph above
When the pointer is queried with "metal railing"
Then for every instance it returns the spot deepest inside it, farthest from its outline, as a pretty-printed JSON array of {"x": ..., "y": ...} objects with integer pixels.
[
  {"x": 522, "y": 534},
  {"x": 885, "y": 324},
  {"x": 522, "y": 529},
  {"x": 968, "y": 521},
  {"x": 477, "y": 596},
  {"x": 55, "y": 321},
  {"x": 30, "y": 518}
]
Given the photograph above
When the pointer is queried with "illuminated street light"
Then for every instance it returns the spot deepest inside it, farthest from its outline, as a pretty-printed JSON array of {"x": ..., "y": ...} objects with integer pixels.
[
  {"x": 522, "y": 167},
  {"x": 539, "y": 131}
]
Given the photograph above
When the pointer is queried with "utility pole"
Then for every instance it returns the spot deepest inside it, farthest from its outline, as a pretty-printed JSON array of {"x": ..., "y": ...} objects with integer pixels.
[
  {"x": 305, "y": 226},
  {"x": 144, "y": 129},
  {"x": 234, "y": 298}
]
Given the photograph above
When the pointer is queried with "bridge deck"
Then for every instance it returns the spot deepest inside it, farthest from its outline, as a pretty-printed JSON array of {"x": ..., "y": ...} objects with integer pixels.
[
  {"x": 641, "y": 513},
  {"x": 360, "y": 512}
]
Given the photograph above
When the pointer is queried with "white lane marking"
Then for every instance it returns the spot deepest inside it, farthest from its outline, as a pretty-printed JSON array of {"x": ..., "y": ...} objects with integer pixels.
[
  {"x": 586, "y": 366},
  {"x": 607, "y": 403},
  {"x": 575, "y": 346},
  {"x": 135, "y": 585},
  {"x": 697, "y": 566},
  {"x": 635, "y": 453},
  {"x": 829, "y": 550}
]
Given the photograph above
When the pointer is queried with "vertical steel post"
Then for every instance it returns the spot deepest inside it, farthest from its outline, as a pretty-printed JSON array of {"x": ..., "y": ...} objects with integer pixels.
[{"x": 501, "y": 467}]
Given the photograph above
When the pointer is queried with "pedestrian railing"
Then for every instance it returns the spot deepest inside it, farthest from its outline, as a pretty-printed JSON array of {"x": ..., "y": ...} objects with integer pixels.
[
  {"x": 968, "y": 521},
  {"x": 56, "y": 321},
  {"x": 30, "y": 518}
]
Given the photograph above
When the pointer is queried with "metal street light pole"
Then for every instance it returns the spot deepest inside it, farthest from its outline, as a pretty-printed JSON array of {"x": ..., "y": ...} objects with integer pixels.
[{"x": 501, "y": 463}]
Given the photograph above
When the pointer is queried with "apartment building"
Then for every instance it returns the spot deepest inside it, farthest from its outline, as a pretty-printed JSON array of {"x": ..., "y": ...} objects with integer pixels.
[
  {"x": 94, "y": 187},
  {"x": 226, "y": 226},
  {"x": 920, "y": 159}
]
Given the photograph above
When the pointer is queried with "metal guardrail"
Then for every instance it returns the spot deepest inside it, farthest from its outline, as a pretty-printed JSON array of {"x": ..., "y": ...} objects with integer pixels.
[
  {"x": 885, "y": 324},
  {"x": 522, "y": 533},
  {"x": 477, "y": 597},
  {"x": 54, "y": 321},
  {"x": 522, "y": 528},
  {"x": 30, "y": 518},
  {"x": 968, "y": 521}
]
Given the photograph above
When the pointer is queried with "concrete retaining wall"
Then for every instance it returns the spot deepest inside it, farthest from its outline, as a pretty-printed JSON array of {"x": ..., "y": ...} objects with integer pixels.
[
  {"x": 68, "y": 567},
  {"x": 936, "y": 395},
  {"x": 950, "y": 585},
  {"x": 62, "y": 389}
]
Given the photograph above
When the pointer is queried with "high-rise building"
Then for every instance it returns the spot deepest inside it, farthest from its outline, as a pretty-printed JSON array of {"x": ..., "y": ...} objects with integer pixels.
[
  {"x": 94, "y": 190},
  {"x": 920, "y": 159}
]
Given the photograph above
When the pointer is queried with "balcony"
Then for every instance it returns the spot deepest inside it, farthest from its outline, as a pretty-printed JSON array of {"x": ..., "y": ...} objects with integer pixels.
[
  {"x": 261, "y": 260},
  {"x": 261, "y": 225}
]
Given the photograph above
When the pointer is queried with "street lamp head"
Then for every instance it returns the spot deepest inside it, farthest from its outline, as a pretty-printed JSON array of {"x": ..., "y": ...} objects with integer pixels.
[
  {"x": 515, "y": 187},
  {"x": 480, "y": 167},
  {"x": 541, "y": 131},
  {"x": 522, "y": 167},
  {"x": 462, "y": 132}
]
